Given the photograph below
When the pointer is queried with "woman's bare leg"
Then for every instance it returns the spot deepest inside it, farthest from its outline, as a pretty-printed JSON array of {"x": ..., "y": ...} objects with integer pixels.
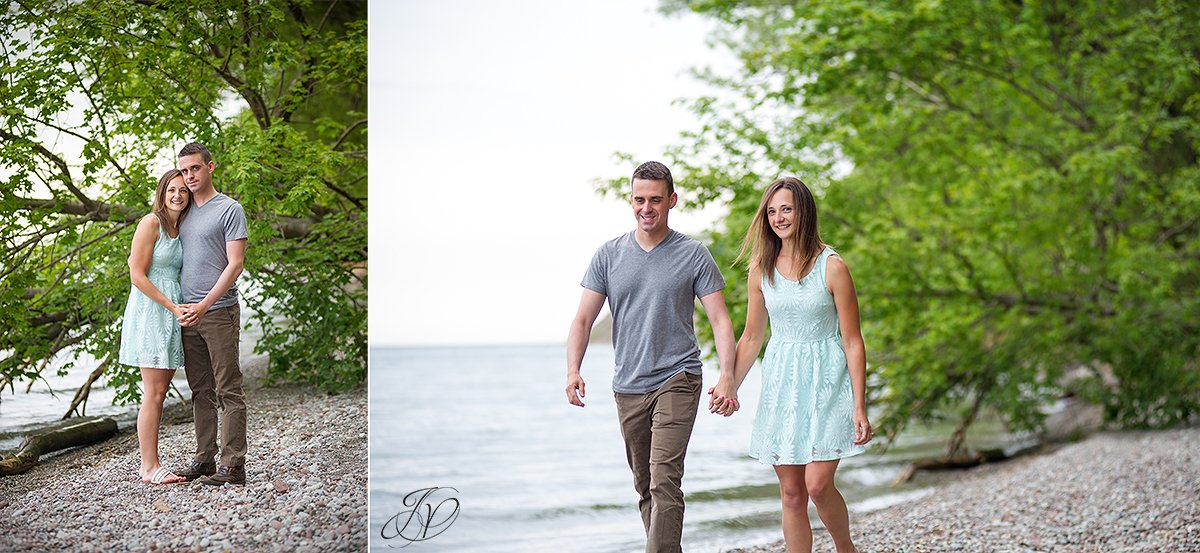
[
  {"x": 156, "y": 382},
  {"x": 797, "y": 530},
  {"x": 831, "y": 506}
]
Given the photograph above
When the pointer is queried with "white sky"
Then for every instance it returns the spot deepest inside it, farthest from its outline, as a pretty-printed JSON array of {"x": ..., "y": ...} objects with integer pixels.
[{"x": 489, "y": 123}]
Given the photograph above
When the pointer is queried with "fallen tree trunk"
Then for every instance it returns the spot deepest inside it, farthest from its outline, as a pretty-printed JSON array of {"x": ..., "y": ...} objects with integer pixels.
[
  {"x": 83, "y": 432},
  {"x": 975, "y": 458}
]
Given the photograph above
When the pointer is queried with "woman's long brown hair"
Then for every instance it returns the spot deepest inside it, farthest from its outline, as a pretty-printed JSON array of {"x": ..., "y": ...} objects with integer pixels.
[
  {"x": 764, "y": 246},
  {"x": 160, "y": 202}
]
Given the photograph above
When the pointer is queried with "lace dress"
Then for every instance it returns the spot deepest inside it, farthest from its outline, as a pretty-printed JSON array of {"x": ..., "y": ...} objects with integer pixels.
[
  {"x": 150, "y": 334},
  {"x": 806, "y": 408}
]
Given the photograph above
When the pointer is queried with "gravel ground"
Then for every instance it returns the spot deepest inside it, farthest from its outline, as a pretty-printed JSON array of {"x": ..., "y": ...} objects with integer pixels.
[
  {"x": 306, "y": 487},
  {"x": 1114, "y": 492}
]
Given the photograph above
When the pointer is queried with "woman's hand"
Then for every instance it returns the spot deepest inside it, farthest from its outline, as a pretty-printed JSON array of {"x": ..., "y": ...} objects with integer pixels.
[
  {"x": 724, "y": 398},
  {"x": 862, "y": 427},
  {"x": 185, "y": 313}
]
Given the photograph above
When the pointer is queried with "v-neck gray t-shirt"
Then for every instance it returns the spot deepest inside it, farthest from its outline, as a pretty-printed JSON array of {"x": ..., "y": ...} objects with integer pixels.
[
  {"x": 204, "y": 232},
  {"x": 652, "y": 296}
]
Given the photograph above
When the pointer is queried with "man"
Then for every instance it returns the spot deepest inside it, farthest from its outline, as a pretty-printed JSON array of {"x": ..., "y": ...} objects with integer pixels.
[
  {"x": 214, "y": 246},
  {"x": 651, "y": 278}
]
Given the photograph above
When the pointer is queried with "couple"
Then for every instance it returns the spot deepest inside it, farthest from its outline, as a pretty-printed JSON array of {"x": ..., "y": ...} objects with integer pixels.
[
  {"x": 813, "y": 406},
  {"x": 183, "y": 311}
]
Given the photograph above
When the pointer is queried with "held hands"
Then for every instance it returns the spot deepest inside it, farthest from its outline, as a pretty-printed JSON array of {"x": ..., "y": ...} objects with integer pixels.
[
  {"x": 575, "y": 389},
  {"x": 189, "y": 314},
  {"x": 862, "y": 428},
  {"x": 724, "y": 400}
]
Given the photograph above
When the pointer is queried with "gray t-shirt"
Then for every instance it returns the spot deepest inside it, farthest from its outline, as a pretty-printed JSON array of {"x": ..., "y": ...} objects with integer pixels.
[
  {"x": 652, "y": 298},
  {"x": 203, "y": 233}
]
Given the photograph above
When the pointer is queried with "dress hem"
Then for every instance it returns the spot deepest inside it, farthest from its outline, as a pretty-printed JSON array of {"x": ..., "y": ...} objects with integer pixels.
[
  {"x": 810, "y": 460},
  {"x": 128, "y": 364}
]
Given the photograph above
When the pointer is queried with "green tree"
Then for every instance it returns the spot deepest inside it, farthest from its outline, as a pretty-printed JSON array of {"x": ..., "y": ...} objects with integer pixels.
[
  {"x": 96, "y": 93},
  {"x": 1014, "y": 185}
]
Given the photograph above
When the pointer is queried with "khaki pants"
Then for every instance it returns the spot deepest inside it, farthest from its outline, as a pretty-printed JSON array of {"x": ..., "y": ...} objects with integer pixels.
[
  {"x": 212, "y": 362},
  {"x": 656, "y": 427}
]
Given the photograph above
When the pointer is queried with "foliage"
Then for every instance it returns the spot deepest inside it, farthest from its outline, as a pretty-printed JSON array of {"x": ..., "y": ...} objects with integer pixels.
[
  {"x": 1014, "y": 186},
  {"x": 100, "y": 94}
]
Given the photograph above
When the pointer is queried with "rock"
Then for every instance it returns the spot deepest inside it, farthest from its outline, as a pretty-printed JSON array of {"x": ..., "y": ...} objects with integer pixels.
[
  {"x": 161, "y": 505},
  {"x": 280, "y": 486}
]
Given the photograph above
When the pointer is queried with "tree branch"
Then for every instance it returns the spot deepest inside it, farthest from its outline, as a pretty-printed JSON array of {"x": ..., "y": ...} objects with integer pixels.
[
  {"x": 291, "y": 227},
  {"x": 328, "y": 183},
  {"x": 58, "y": 161},
  {"x": 346, "y": 133},
  {"x": 81, "y": 395}
]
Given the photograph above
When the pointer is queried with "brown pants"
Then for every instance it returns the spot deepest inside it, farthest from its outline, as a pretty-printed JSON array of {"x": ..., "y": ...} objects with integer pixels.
[
  {"x": 656, "y": 427},
  {"x": 212, "y": 362}
]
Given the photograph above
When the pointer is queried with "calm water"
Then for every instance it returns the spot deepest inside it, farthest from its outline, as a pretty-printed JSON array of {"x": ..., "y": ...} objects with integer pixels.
[
  {"x": 533, "y": 473},
  {"x": 48, "y": 400}
]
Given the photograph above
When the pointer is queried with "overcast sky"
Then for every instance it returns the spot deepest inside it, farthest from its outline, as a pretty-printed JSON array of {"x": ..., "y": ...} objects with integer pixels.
[{"x": 489, "y": 123}]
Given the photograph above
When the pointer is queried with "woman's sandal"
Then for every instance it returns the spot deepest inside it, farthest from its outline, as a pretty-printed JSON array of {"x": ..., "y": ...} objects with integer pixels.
[{"x": 163, "y": 476}]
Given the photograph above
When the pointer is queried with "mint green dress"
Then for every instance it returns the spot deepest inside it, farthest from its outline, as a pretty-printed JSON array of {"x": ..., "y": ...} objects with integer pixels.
[
  {"x": 150, "y": 334},
  {"x": 805, "y": 412}
]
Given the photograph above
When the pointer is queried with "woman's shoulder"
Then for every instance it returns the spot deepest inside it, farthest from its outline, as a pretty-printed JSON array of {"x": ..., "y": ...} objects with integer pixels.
[
  {"x": 754, "y": 273},
  {"x": 149, "y": 222},
  {"x": 836, "y": 268}
]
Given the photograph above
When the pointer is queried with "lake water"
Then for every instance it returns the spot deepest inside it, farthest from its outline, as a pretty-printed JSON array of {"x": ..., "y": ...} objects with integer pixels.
[
  {"x": 532, "y": 473},
  {"x": 48, "y": 400}
]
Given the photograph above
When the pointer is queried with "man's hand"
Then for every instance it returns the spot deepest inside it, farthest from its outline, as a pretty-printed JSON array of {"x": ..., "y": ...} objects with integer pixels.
[
  {"x": 575, "y": 389},
  {"x": 192, "y": 313},
  {"x": 724, "y": 398}
]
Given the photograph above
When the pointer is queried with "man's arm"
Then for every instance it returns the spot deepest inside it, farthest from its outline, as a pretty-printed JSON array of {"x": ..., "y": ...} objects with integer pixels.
[
  {"x": 235, "y": 252},
  {"x": 577, "y": 342},
  {"x": 718, "y": 317}
]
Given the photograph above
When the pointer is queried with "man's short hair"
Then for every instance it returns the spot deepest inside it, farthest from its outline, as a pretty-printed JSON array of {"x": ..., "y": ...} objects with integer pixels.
[
  {"x": 653, "y": 170},
  {"x": 196, "y": 148}
]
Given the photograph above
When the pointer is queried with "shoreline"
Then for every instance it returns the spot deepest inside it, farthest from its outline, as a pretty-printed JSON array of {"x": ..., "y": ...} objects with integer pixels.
[
  {"x": 1113, "y": 491},
  {"x": 306, "y": 484}
]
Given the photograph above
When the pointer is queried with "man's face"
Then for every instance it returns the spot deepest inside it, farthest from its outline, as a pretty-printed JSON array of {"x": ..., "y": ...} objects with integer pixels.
[
  {"x": 197, "y": 174},
  {"x": 650, "y": 204}
]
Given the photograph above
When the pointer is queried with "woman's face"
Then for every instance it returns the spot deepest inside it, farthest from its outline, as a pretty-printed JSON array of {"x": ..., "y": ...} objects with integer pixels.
[
  {"x": 781, "y": 213},
  {"x": 176, "y": 196}
]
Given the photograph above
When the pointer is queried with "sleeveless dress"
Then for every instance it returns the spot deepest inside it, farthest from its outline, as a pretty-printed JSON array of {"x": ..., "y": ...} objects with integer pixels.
[
  {"x": 805, "y": 412},
  {"x": 150, "y": 334}
]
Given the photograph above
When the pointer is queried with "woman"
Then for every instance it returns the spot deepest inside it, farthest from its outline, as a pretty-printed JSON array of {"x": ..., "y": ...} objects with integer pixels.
[
  {"x": 150, "y": 335},
  {"x": 813, "y": 410}
]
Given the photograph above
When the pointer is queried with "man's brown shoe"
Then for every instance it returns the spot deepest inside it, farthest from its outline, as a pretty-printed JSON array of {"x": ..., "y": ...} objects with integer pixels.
[
  {"x": 226, "y": 475},
  {"x": 196, "y": 470}
]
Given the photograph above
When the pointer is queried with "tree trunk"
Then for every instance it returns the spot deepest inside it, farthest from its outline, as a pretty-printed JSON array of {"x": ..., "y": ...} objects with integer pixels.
[
  {"x": 84, "y": 432},
  {"x": 952, "y": 462}
]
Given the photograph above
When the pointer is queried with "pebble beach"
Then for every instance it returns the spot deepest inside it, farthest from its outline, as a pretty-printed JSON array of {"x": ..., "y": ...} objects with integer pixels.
[
  {"x": 1125, "y": 492},
  {"x": 1114, "y": 492},
  {"x": 306, "y": 487}
]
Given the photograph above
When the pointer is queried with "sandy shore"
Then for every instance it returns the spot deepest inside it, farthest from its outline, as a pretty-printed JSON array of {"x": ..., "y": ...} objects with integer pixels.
[
  {"x": 306, "y": 487},
  {"x": 1113, "y": 492}
]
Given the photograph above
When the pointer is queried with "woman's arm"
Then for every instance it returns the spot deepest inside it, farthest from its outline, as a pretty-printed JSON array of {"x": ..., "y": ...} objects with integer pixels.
[
  {"x": 837, "y": 275},
  {"x": 747, "y": 347},
  {"x": 141, "y": 252}
]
